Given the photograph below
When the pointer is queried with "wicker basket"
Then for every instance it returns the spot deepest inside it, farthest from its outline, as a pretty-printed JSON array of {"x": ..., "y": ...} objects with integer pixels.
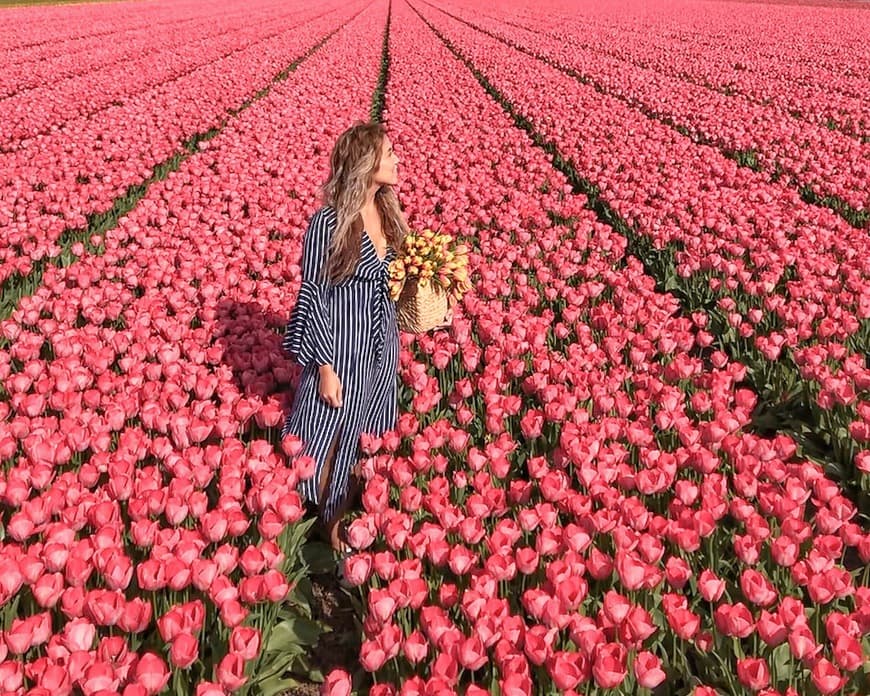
[{"x": 421, "y": 309}]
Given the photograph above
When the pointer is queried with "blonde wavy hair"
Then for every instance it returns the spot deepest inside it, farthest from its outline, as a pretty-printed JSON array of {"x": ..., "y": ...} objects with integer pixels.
[{"x": 354, "y": 161}]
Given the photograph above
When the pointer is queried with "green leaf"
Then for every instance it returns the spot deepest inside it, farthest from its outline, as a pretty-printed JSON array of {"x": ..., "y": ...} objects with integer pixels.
[
  {"x": 274, "y": 665},
  {"x": 273, "y": 686},
  {"x": 780, "y": 659},
  {"x": 294, "y": 632},
  {"x": 178, "y": 686},
  {"x": 278, "y": 669},
  {"x": 10, "y": 612},
  {"x": 292, "y": 538},
  {"x": 302, "y": 667},
  {"x": 301, "y": 598},
  {"x": 319, "y": 557}
]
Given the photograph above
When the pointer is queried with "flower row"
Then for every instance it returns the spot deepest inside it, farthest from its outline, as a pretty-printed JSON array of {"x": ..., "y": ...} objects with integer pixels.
[
  {"x": 819, "y": 78},
  {"x": 151, "y": 526},
  {"x": 786, "y": 284},
  {"x": 65, "y": 176},
  {"x": 589, "y": 507},
  {"x": 806, "y": 155},
  {"x": 51, "y": 54},
  {"x": 170, "y": 56},
  {"x": 25, "y": 31}
]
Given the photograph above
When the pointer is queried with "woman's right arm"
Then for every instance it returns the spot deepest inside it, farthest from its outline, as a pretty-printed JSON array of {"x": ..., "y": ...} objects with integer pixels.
[{"x": 309, "y": 334}]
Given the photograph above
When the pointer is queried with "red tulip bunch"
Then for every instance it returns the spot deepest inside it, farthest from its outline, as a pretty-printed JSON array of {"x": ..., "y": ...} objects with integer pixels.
[
  {"x": 150, "y": 521},
  {"x": 591, "y": 507}
]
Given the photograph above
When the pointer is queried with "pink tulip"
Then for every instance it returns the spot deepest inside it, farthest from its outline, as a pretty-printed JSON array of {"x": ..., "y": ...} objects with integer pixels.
[
  {"x": 771, "y": 629},
  {"x": 151, "y": 673},
  {"x": 232, "y": 613},
  {"x": 826, "y": 677},
  {"x": 209, "y": 689},
  {"x": 848, "y": 653},
  {"x": 609, "y": 667},
  {"x": 184, "y": 650},
  {"x": 753, "y": 673},
  {"x": 756, "y": 588},
  {"x": 415, "y": 648},
  {"x": 372, "y": 656},
  {"x": 245, "y": 641},
  {"x": 11, "y": 675},
  {"x": 136, "y": 616},
  {"x": 56, "y": 680},
  {"x": 710, "y": 586},
  {"x": 337, "y": 683},
  {"x": 472, "y": 653},
  {"x": 231, "y": 672},
  {"x": 99, "y": 677},
  {"x": 79, "y": 635},
  {"x": 648, "y": 670},
  {"x": 19, "y": 637},
  {"x": 568, "y": 669}
]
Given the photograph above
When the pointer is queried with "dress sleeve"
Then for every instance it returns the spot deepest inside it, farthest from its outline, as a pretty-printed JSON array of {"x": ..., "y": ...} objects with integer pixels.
[{"x": 309, "y": 336}]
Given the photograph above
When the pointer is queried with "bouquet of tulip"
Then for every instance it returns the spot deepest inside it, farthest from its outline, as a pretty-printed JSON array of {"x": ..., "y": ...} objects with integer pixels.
[{"x": 429, "y": 274}]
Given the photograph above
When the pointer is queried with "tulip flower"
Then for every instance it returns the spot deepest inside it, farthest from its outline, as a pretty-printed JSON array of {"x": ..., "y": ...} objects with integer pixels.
[
  {"x": 753, "y": 673},
  {"x": 826, "y": 677},
  {"x": 337, "y": 683},
  {"x": 648, "y": 671},
  {"x": 151, "y": 673},
  {"x": 609, "y": 667},
  {"x": 184, "y": 650}
]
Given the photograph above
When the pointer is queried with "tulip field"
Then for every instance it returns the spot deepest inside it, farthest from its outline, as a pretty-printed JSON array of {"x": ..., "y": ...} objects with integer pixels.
[{"x": 638, "y": 462}]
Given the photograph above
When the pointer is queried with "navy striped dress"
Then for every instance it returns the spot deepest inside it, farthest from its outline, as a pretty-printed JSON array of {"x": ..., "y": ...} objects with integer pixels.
[{"x": 351, "y": 325}]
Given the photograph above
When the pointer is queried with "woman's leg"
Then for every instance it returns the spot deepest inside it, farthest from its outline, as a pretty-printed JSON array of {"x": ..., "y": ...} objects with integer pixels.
[{"x": 331, "y": 523}]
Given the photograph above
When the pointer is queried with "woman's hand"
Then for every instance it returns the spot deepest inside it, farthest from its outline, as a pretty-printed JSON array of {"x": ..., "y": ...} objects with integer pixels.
[{"x": 329, "y": 387}]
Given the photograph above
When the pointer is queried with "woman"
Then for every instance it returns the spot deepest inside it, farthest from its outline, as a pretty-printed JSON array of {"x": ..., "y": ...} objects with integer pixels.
[{"x": 343, "y": 327}]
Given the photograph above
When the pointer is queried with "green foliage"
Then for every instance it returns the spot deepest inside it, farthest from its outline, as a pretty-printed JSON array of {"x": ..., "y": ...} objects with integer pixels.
[{"x": 379, "y": 97}]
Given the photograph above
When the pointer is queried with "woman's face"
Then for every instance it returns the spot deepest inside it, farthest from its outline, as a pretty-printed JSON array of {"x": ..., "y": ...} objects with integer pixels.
[{"x": 388, "y": 172}]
